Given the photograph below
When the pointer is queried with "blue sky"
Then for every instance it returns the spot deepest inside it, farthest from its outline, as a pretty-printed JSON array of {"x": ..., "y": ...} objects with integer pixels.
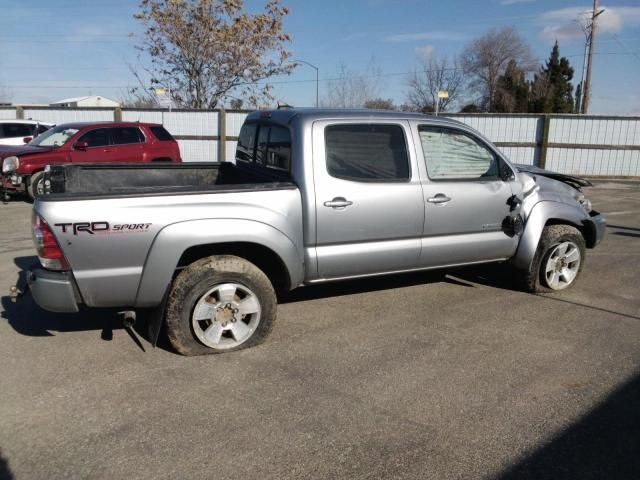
[{"x": 50, "y": 50}]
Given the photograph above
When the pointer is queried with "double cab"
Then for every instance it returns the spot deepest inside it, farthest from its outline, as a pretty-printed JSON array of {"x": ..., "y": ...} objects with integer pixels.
[
  {"x": 113, "y": 142},
  {"x": 314, "y": 196}
]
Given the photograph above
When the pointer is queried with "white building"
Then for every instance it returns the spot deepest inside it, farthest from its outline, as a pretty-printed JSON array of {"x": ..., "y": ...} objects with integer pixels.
[{"x": 87, "y": 101}]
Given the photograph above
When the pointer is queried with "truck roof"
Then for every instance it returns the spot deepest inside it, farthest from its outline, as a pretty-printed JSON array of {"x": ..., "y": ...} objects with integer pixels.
[{"x": 285, "y": 115}]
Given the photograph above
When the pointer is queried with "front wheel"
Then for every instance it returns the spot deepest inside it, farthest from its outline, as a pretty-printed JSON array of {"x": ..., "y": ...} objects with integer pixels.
[
  {"x": 558, "y": 260},
  {"x": 35, "y": 185},
  {"x": 219, "y": 304}
]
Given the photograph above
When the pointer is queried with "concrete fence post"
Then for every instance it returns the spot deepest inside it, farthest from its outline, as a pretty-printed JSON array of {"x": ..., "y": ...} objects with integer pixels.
[
  {"x": 117, "y": 114},
  {"x": 546, "y": 120},
  {"x": 19, "y": 112},
  {"x": 222, "y": 135}
]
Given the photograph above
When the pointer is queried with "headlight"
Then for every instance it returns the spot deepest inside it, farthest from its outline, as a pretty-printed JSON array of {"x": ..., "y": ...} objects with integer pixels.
[
  {"x": 10, "y": 164},
  {"x": 586, "y": 204}
]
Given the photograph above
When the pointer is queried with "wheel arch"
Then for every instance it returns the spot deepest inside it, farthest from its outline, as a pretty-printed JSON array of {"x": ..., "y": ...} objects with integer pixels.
[
  {"x": 180, "y": 244},
  {"x": 549, "y": 213}
]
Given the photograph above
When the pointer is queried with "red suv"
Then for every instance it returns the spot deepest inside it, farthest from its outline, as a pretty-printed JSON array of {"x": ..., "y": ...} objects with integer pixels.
[{"x": 23, "y": 166}]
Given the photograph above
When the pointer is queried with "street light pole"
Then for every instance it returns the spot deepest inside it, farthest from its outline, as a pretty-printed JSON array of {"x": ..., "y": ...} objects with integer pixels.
[{"x": 317, "y": 77}]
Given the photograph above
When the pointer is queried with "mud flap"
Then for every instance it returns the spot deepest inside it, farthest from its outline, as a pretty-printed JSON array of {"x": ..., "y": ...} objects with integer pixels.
[{"x": 157, "y": 317}]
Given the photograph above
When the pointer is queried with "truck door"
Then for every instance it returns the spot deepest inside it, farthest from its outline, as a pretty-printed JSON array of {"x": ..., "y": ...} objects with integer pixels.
[
  {"x": 466, "y": 198},
  {"x": 369, "y": 203}
]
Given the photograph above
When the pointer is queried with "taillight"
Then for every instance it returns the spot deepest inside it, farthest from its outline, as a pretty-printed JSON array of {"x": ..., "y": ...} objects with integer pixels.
[{"x": 49, "y": 252}]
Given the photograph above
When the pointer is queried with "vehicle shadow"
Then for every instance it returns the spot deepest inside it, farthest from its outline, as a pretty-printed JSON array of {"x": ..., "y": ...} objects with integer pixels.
[
  {"x": 5, "y": 471},
  {"x": 365, "y": 285},
  {"x": 27, "y": 318},
  {"x": 604, "y": 443}
]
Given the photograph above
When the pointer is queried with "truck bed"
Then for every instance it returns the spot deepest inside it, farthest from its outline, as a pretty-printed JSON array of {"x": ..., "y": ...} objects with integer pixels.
[{"x": 78, "y": 181}]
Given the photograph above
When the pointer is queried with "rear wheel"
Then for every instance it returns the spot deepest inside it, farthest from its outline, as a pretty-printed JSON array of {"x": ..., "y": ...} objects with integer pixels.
[
  {"x": 220, "y": 304},
  {"x": 558, "y": 261},
  {"x": 35, "y": 185}
]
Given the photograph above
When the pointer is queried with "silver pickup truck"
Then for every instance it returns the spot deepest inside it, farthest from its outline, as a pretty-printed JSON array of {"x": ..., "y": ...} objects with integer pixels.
[{"x": 314, "y": 196}]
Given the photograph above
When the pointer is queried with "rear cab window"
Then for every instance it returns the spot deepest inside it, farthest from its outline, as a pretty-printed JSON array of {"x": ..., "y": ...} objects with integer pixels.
[{"x": 266, "y": 145}]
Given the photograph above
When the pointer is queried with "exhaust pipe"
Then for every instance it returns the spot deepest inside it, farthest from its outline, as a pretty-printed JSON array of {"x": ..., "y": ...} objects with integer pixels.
[{"x": 128, "y": 318}]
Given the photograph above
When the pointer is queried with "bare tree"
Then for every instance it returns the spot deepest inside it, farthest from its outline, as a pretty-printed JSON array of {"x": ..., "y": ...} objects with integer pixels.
[
  {"x": 486, "y": 58},
  {"x": 380, "y": 104},
  {"x": 5, "y": 95},
  {"x": 349, "y": 90},
  {"x": 434, "y": 74},
  {"x": 204, "y": 50},
  {"x": 139, "y": 96}
]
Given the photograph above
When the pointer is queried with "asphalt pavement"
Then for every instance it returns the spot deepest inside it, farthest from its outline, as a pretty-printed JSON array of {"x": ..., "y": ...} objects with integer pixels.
[{"x": 441, "y": 375}]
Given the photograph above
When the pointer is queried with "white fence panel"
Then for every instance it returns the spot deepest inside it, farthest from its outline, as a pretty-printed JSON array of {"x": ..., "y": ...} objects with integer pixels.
[
  {"x": 178, "y": 123},
  {"x": 523, "y": 155},
  {"x": 616, "y": 142},
  {"x": 198, "y": 150},
  {"x": 234, "y": 122},
  {"x": 508, "y": 128},
  {"x": 66, "y": 115},
  {"x": 593, "y": 162},
  {"x": 7, "y": 113},
  {"x": 230, "y": 151}
]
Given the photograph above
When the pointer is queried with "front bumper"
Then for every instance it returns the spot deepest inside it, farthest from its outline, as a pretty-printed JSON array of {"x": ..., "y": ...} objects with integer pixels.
[
  {"x": 11, "y": 182},
  {"x": 597, "y": 224},
  {"x": 54, "y": 291}
]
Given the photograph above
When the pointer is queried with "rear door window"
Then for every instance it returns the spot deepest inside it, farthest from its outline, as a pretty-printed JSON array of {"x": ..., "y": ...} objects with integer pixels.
[
  {"x": 11, "y": 130},
  {"x": 367, "y": 152},
  {"x": 126, "y": 135}
]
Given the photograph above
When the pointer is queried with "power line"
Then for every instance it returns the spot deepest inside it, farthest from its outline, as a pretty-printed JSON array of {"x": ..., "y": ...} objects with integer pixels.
[
  {"x": 619, "y": 42},
  {"x": 278, "y": 82}
]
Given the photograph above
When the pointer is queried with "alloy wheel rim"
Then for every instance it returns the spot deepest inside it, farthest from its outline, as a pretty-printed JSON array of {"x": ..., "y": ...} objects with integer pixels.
[
  {"x": 562, "y": 266},
  {"x": 226, "y": 316}
]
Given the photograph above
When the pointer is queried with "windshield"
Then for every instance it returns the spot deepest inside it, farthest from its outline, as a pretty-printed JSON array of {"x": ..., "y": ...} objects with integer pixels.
[{"x": 54, "y": 137}]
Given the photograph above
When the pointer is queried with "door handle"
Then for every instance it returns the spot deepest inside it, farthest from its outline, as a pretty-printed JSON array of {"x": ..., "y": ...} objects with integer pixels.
[
  {"x": 439, "y": 198},
  {"x": 338, "y": 202}
]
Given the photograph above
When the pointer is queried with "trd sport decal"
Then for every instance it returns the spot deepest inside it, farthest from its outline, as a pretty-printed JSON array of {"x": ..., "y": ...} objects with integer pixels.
[{"x": 102, "y": 227}]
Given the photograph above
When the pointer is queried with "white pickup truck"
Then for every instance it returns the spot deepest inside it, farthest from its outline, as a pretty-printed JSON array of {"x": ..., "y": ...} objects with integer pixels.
[{"x": 314, "y": 196}]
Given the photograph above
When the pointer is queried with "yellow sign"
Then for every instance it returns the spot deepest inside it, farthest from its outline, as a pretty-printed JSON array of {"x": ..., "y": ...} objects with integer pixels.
[
  {"x": 443, "y": 94},
  {"x": 160, "y": 90}
]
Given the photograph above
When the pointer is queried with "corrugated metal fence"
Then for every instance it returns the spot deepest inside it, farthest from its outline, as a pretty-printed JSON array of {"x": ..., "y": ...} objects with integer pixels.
[{"x": 575, "y": 144}]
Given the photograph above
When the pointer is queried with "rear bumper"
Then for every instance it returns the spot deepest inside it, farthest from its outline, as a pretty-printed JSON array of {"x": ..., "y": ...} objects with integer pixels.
[
  {"x": 597, "y": 223},
  {"x": 54, "y": 291}
]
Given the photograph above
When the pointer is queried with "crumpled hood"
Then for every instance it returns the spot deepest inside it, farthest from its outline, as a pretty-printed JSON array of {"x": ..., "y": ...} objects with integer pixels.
[
  {"x": 19, "y": 150},
  {"x": 573, "y": 181}
]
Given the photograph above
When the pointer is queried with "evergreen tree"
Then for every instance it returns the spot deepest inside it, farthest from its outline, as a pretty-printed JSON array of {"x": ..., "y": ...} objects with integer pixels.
[
  {"x": 551, "y": 89},
  {"x": 512, "y": 90}
]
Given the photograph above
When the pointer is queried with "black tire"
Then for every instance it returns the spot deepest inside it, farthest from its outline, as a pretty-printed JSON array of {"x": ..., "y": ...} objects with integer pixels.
[
  {"x": 191, "y": 285},
  {"x": 35, "y": 185},
  {"x": 534, "y": 279}
]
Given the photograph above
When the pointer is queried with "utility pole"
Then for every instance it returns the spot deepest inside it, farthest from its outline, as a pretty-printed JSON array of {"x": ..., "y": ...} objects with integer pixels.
[{"x": 591, "y": 39}]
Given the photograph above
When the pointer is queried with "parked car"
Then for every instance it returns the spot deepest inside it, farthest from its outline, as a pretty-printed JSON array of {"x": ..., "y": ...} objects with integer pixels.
[
  {"x": 14, "y": 132},
  {"x": 314, "y": 196},
  {"x": 118, "y": 142}
]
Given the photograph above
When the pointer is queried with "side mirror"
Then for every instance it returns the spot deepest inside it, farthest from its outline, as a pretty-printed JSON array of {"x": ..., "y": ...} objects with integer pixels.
[
  {"x": 27, "y": 139},
  {"x": 81, "y": 145},
  {"x": 506, "y": 173}
]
